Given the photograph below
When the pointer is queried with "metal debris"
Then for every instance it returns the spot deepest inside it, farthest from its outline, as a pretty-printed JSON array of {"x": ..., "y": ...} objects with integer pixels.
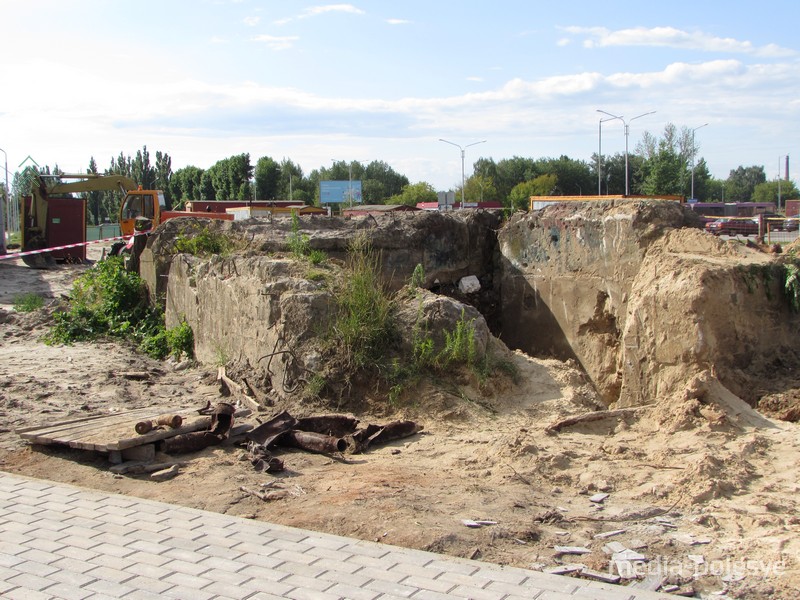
[{"x": 172, "y": 421}]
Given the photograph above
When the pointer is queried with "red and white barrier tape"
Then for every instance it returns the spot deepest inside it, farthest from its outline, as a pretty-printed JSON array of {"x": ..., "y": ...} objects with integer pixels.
[{"x": 43, "y": 250}]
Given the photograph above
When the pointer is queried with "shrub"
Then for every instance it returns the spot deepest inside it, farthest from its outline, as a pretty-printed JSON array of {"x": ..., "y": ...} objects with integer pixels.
[{"x": 110, "y": 301}]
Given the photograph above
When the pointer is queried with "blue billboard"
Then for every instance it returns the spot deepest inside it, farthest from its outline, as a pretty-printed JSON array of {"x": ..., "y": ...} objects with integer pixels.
[{"x": 332, "y": 192}]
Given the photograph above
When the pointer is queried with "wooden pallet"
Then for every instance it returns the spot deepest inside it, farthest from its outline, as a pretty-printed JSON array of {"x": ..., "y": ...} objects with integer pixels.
[{"x": 108, "y": 433}]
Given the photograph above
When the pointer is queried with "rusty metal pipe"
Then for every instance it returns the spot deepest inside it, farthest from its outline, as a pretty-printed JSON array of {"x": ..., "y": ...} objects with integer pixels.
[
  {"x": 313, "y": 442},
  {"x": 173, "y": 421}
]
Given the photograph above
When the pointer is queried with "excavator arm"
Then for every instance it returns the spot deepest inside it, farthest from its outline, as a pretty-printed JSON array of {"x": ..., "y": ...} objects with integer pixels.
[{"x": 37, "y": 231}]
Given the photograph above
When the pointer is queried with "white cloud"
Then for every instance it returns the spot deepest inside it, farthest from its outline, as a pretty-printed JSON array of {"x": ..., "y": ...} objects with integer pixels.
[
  {"x": 275, "y": 42},
  {"x": 672, "y": 38},
  {"x": 398, "y": 22},
  {"x": 251, "y": 21},
  {"x": 314, "y": 11},
  {"x": 477, "y": 79},
  {"x": 564, "y": 42}
]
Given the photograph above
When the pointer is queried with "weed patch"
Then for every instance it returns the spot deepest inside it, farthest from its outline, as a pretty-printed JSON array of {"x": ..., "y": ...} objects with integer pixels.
[
  {"x": 29, "y": 302},
  {"x": 109, "y": 301}
]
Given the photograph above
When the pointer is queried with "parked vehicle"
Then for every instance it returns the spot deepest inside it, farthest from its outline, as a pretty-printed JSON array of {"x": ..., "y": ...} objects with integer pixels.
[{"x": 733, "y": 226}]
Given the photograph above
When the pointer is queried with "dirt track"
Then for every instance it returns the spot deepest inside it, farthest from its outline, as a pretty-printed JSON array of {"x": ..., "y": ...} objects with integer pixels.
[{"x": 681, "y": 481}]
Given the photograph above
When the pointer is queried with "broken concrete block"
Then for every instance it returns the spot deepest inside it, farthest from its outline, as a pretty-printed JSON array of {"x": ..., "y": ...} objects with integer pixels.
[
  {"x": 144, "y": 453},
  {"x": 600, "y": 576},
  {"x": 469, "y": 285},
  {"x": 572, "y": 550},
  {"x": 565, "y": 569},
  {"x": 608, "y": 534}
]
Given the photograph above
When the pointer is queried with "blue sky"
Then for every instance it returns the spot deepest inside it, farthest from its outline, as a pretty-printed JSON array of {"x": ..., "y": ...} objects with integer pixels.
[{"x": 378, "y": 80}]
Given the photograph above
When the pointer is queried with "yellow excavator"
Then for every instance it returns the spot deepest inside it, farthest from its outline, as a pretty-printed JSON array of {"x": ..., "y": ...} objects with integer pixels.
[{"x": 52, "y": 218}]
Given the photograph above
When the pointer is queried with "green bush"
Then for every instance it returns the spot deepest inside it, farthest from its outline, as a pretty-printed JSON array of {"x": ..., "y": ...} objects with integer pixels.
[
  {"x": 28, "y": 302},
  {"x": 110, "y": 301}
]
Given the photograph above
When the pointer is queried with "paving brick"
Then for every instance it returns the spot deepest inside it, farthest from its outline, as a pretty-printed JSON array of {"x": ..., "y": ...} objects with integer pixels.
[
  {"x": 26, "y": 594},
  {"x": 429, "y": 595},
  {"x": 113, "y": 550},
  {"x": 75, "y": 578},
  {"x": 147, "y": 559},
  {"x": 308, "y": 583},
  {"x": 263, "y": 573},
  {"x": 305, "y": 594},
  {"x": 385, "y": 563},
  {"x": 139, "y": 595},
  {"x": 334, "y": 576},
  {"x": 188, "y": 581},
  {"x": 149, "y": 584},
  {"x": 29, "y": 581},
  {"x": 382, "y": 574},
  {"x": 295, "y": 557},
  {"x": 425, "y": 583},
  {"x": 66, "y": 591},
  {"x": 390, "y": 588},
  {"x": 257, "y": 560},
  {"x": 353, "y": 593},
  {"x": 333, "y": 564},
  {"x": 110, "y": 574},
  {"x": 474, "y": 593},
  {"x": 35, "y": 568}
]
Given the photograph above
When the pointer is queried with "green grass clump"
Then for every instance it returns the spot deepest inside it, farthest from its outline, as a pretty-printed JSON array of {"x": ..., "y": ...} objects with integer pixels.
[
  {"x": 204, "y": 243},
  {"x": 29, "y": 302},
  {"x": 109, "y": 301},
  {"x": 364, "y": 327}
]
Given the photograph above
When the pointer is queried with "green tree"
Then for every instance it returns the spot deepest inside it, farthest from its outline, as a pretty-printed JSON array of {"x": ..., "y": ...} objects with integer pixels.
[
  {"x": 185, "y": 185},
  {"x": 520, "y": 196},
  {"x": 768, "y": 192},
  {"x": 163, "y": 175},
  {"x": 574, "y": 177},
  {"x": 480, "y": 188},
  {"x": 142, "y": 171},
  {"x": 414, "y": 193},
  {"x": 93, "y": 199},
  {"x": 742, "y": 182},
  {"x": 268, "y": 178}
]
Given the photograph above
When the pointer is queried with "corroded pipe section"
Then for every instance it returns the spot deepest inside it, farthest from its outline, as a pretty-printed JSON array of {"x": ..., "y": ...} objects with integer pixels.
[
  {"x": 313, "y": 442},
  {"x": 172, "y": 421}
]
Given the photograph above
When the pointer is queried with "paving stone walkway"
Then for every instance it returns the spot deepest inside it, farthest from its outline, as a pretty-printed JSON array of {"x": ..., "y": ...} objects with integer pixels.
[{"x": 60, "y": 541}]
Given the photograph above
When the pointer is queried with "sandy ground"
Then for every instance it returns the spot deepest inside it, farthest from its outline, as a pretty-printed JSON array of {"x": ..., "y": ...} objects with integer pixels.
[{"x": 710, "y": 502}]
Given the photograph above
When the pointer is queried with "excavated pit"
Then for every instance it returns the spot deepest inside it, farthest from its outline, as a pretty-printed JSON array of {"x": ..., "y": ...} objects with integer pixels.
[{"x": 650, "y": 306}]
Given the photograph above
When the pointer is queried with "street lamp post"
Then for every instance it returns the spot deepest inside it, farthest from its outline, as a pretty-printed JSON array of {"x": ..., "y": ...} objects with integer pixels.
[
  {"x": 627, "y": 132},
  {"x": 463, "y": 149},
  {"x": 600, "y": 151},
  {"x": 3, "y": 207},
  {"x": 693, "y": 154}
]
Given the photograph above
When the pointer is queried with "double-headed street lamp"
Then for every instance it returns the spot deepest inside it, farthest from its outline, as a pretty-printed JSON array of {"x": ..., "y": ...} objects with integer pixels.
[
  {"x": 462, "y": 162},
  {"x": 627, "y": 131},
  {"x": 694, "y": 151},
  {"x": 600, "y": 153}
]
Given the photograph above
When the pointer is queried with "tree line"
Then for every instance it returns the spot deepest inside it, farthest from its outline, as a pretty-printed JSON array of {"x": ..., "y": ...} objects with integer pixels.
[{"x": 660, "y": 165}]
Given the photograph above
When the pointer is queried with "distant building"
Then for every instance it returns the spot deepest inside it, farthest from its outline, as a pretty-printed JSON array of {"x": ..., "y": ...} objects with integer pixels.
[
  {"x": 488, "y": 205},
  {"x": 376, "y": 209}
]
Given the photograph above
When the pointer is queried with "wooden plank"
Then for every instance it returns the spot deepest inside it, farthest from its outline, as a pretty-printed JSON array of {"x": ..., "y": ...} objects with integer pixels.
[
  {"x": 61, "y": 433},
  {"x": 102, "y": 438},
  {"x": 45, "y": 431}
]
